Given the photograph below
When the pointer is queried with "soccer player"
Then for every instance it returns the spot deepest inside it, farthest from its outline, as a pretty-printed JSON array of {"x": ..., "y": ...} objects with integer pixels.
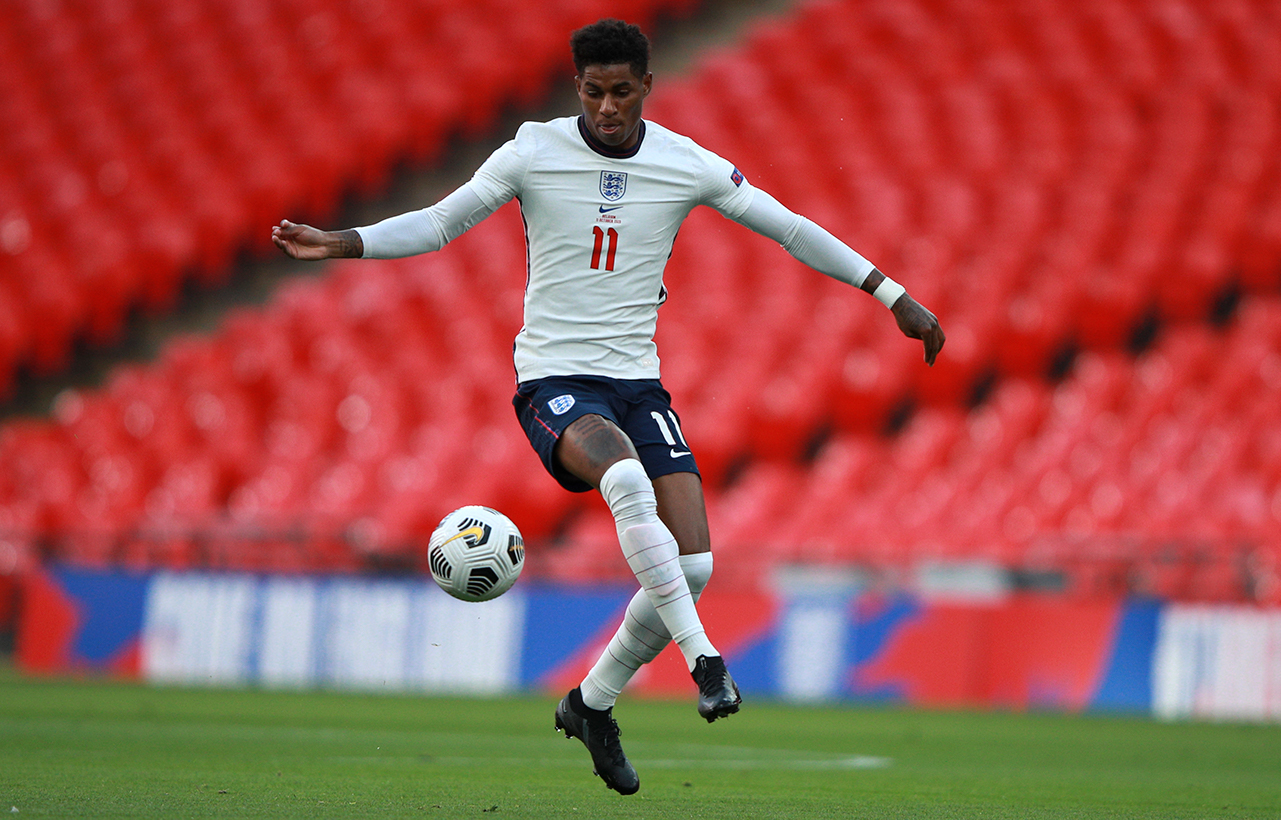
[{"x": 602, "y": 195}]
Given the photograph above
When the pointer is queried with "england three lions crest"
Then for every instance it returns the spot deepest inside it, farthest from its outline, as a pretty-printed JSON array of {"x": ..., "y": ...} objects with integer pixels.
[{"x": 613, "y": 184}]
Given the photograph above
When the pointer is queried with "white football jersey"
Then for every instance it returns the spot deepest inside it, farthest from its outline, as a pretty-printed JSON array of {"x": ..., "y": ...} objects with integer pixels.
[{"x": 599, "y": 230}]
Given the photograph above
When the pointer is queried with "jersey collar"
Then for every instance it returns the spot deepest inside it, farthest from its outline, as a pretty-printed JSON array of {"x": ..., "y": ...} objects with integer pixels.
[{"x": 603, "y": 149}]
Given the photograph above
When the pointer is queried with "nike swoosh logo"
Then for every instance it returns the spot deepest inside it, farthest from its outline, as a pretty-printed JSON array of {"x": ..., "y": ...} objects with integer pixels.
[
  {"x": 605, "y": 210},
  {"x": 470, "y": 532},
  {"x": 678, "y": 453}
]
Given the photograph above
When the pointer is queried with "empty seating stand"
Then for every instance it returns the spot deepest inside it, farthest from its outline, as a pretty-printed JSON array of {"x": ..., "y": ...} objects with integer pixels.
[
  {"x": 1048, "y": 178},
  {"x": 147, "y": 143}
]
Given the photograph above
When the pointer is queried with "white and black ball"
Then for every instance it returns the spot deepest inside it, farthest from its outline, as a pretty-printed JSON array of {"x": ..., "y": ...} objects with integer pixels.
[{"x": 476, "y": 553}]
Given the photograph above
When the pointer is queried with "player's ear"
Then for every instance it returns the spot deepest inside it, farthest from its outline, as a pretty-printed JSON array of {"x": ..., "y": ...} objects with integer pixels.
[{"x": 647, "y": 83}]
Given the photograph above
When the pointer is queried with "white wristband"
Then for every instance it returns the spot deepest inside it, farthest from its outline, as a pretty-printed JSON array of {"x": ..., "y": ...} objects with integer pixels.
[{"x": 888, "y": 292}]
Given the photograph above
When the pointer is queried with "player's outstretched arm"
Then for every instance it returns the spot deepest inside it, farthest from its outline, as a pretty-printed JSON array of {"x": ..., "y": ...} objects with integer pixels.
[
  {"x": 913, "y": 319},
  {"x": 308, "y": 243},
  {"x": 825, "y": 253}
]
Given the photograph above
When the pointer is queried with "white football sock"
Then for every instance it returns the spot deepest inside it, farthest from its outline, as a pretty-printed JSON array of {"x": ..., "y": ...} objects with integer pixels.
[
  {"x": 652, "y": 553},
  {"x": 639, "y": 639}
]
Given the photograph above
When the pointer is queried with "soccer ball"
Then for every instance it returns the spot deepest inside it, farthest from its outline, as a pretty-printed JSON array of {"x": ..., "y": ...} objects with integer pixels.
[{"x": 476, "y": 553}]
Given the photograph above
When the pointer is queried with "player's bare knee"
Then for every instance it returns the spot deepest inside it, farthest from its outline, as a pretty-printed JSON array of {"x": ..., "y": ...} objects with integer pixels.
[{"x": 590, "y": 445}]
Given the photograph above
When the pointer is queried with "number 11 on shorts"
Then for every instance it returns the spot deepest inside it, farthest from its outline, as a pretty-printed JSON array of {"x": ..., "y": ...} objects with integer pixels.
[{"x": 667, "y": 433}]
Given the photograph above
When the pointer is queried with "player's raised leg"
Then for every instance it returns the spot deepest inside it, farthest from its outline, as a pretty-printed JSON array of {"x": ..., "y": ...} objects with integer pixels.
[
  {"x": 652, "y": 551},
  {"x": 597, "y": 451},
  {"x": 642, "y": 635}
]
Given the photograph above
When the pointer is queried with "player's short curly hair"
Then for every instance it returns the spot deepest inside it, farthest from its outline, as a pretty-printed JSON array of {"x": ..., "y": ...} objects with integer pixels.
[{"x": 611, "y": 42}]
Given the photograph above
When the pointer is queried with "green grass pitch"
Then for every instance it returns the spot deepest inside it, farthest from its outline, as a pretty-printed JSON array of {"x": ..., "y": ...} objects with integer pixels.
[{"x": 85, "y": 749}]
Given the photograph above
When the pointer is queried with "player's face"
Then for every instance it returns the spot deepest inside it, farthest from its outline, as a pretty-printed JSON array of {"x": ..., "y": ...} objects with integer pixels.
[{"x": 612, "y": 98}]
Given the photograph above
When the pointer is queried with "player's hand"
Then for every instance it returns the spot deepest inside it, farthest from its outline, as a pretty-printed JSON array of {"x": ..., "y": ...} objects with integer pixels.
[
  {"x": 918, "y": 323},
  {"x": 301, "y": 241}
]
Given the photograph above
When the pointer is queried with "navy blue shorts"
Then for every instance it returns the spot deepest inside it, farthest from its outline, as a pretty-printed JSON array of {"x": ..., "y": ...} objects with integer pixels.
[{"x": 640, "y": 407}]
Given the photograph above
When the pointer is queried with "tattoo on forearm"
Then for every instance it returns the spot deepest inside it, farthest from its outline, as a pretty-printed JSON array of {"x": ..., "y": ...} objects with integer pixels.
[{"x": 350, "y": 245}]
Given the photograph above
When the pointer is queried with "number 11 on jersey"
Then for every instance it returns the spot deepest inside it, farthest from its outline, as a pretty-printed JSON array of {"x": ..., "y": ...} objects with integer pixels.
[{"x": 610, "y": 248}]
